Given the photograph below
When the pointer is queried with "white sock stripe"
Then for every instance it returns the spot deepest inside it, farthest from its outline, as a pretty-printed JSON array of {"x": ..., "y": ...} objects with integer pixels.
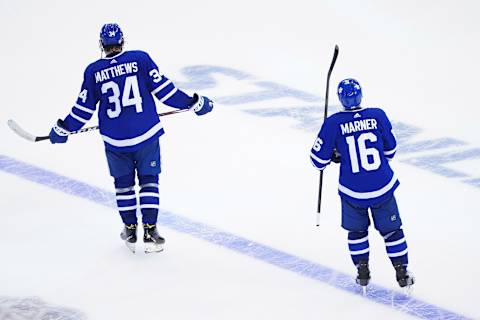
[
  {"x": 149, "y": 194},
  {"x": 149, "y": 206},
  {"x": 147, "y": 185},
  {"x": 394, "y": 243},
  {"x": 127, "y": 208},
  {"x": 123, "y": 190},
  {"x": 357, "y": 252},
  {"x": 355, "y": 241},
  {"x": 167, "y": 96},
  {"x": 163, "y": 85},
  {"x": 398, "y": 254},
  {"x": 126, "y": 197}
]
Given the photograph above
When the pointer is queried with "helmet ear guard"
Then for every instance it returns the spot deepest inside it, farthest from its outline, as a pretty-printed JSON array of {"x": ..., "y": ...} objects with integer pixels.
[{"x": 350, "y": 93}]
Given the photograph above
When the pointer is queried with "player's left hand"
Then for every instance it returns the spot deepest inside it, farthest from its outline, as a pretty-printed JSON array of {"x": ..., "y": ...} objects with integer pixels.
[
  {"x": 59, "y": 134},
  {"x": 201, "y": 105},
  {"x": 335, "y": 156}
]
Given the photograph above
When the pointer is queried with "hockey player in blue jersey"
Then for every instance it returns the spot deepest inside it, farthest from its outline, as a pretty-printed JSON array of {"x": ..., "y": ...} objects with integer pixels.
[
  {"x": 123, "y": 84},
  {"x": 361, "y": 140}
]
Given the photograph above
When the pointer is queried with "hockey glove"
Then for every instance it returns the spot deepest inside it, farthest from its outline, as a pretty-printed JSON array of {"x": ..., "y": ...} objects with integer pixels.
[
  {"x": 335, "y": 156},
  {"x": 59, "y": 134},
  {"x": 201, "y": 105}
]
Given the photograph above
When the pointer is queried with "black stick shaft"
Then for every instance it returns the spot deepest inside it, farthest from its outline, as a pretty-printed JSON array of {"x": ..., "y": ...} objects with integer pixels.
[
  {"x": 96, "y": 127},
  {"x": 332, "y": 64}
]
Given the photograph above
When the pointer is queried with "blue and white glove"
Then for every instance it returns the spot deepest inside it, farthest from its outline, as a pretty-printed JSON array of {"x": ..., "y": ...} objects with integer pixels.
[
  {"x": 201, "y": 105},
  {"x": 59, "y": 134}
]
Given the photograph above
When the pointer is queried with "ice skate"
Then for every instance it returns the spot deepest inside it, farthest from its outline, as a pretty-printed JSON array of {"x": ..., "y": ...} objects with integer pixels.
[
  {"x": 363, "y": 275},
  {"x": 153, "y": 241},
  {"x": 129, "y": 235},
  {"x": 404, "y": 278}
]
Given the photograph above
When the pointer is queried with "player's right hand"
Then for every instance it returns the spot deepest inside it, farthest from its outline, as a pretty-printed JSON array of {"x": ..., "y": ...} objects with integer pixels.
[
  {"x": 59, "y": 134},
  {"x": 201, "y": 105},
  {"x": 335, "y": 156}
]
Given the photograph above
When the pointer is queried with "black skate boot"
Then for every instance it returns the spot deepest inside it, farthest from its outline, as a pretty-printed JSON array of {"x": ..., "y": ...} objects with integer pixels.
[
  {"x": 153, "y": 241},
  {"x": 129, "y": 235},
  {"x": 363, "y": 276},
  {"x": 404, "y": 278}
]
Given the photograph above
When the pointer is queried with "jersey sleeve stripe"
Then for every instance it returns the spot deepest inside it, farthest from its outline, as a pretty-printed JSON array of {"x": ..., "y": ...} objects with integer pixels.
[
  {"x": 368, "y": 195},
  {"x": 163, "y": 85},
  {"x": 319, "y": 167},
  {"x": 390, "y": 152},
  {"x": 314, "y": 157},
  {"x": 168, "y": 95},
  {"x": 133, "y": 141},
  {"x": 84, "y": 109},
  {"x": 78, "y": 118}
]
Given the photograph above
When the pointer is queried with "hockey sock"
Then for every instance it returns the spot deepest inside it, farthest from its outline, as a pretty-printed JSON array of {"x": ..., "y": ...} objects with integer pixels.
[
  {"x": 358, "y": 246},
  {"x": 396, "y": 245},
  {"x": 149, "y": 198},
  {"x": 126, "y": 199}
]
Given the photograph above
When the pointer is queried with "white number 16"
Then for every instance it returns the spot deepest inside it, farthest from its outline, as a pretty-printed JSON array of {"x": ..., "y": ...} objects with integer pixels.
[{"x": 364, "y": 152}]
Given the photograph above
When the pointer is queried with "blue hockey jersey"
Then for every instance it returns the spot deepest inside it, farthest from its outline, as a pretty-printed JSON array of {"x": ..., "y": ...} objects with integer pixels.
[
  {"x": 365, "y": 141},
  {"x": 123, "y": 86}
]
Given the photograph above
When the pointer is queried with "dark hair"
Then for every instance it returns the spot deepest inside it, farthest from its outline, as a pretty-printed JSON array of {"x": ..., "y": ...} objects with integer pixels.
[{"x": 113, "y": 48}]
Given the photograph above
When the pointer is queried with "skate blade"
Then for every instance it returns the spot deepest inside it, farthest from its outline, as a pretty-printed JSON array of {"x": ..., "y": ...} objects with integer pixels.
[
  {"x": 152, "y": 247},
  {"x": 408, "y": 289},
  {"x": 130, "y": 246},
  {"x": 364, "y": 291}
]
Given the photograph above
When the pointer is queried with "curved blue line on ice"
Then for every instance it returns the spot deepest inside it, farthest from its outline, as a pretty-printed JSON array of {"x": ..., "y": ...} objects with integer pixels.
[{"x": 395, "y": 300}]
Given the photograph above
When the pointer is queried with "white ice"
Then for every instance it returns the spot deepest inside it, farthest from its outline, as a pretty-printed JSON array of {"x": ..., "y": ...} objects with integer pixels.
[{"x": 233, "y": 170}]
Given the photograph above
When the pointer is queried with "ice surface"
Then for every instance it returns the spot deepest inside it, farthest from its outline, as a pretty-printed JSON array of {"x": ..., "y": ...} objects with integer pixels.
[{"x": 238, "y": 193}]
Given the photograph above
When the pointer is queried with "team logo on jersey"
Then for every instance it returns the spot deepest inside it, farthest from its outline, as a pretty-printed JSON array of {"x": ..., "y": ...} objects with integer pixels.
[
  {"x": 153, "y": 164},
  {"x": 393, "y": 218}
]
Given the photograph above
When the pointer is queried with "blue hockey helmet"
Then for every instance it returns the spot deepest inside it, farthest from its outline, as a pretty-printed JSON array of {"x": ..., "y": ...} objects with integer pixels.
[
  {"x": 350, "y": 93},
  {"x": 111, "y": 35}
]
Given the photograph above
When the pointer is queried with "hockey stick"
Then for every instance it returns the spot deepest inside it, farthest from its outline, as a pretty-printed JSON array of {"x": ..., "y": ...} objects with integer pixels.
[
  {"x": 332, "y": 64},
  {"x": 30, "y": 137}
]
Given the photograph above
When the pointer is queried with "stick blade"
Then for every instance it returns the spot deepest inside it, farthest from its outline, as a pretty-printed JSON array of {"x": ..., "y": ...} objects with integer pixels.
[{"x": 18, "y": 130}]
